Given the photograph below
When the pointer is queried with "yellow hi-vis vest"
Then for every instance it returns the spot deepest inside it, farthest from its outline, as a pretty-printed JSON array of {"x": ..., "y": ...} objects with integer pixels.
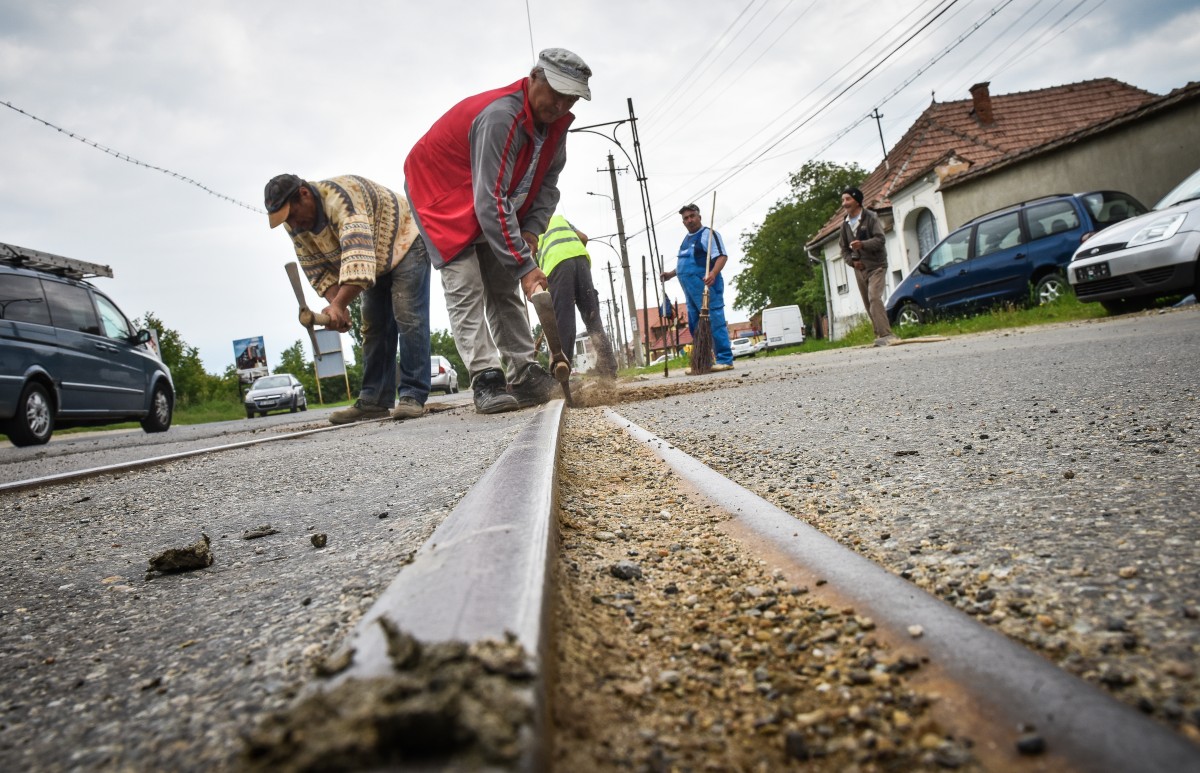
[{"x": 559, "y": 243}]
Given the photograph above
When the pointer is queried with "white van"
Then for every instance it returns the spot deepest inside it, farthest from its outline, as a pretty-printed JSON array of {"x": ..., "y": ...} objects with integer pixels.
[{"x": 783, "y": 326}]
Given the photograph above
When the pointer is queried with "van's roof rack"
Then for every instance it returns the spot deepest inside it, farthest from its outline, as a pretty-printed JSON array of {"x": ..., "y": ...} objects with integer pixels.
[{"x": 54, "y": 264}]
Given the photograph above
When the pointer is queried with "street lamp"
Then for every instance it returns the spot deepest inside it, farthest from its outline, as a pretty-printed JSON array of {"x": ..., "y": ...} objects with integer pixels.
[{"x": 638, "y": 165}]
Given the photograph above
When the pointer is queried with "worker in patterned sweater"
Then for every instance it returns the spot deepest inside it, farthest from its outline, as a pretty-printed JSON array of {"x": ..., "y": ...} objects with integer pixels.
[{"x": 354, "y": 237}]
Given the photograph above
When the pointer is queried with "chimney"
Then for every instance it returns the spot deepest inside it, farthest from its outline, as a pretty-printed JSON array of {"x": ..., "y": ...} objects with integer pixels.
[{"x": 983, "y": 103}]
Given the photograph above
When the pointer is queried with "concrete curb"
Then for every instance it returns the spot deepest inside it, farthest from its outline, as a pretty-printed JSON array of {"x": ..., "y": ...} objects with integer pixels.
[{"x": 1082, "y": 724}]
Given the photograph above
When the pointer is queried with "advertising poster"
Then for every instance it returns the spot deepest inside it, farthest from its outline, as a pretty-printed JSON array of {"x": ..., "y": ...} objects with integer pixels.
[{"x": 250, "y": 355}]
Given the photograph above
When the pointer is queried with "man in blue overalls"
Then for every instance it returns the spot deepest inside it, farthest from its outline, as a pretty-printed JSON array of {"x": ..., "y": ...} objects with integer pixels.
[{"x": 693, "y": 272}]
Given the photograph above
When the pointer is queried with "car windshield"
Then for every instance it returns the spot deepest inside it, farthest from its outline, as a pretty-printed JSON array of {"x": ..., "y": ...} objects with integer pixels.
[
  {"x": 1108, "y": 207},
  {"x": 1187, "y": 190},
  {"x": 740, "y": 341},
  {"x": 271, "y": 382}
]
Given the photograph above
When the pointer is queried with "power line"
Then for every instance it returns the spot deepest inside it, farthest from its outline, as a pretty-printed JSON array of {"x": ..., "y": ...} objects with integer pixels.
[
  {"x": 830, "y": 100},
  {"x": 131, "y": 160},
  {"x": 773, "y": 141}
]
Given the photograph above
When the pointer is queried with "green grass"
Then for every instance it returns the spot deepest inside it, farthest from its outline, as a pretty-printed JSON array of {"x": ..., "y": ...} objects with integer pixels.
[{"x": 1065, "y": 309}]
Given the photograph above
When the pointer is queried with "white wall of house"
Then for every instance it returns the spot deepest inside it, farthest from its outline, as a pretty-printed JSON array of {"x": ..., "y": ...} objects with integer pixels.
[{"x": 903, "y": 247}]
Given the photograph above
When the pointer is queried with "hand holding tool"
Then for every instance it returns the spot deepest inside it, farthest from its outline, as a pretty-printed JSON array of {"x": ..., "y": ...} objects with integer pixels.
[
  {"x": 560, "y": 368},
  {"x": 308, "y": 318}
]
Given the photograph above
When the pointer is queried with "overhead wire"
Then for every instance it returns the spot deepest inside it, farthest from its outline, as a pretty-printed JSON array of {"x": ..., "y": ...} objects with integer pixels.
[
  {"x": 829, "y": 101},
  {"x": 769, "y": 143},
  {"x": 130, "y": 159},
  {"x": 690, "y": 73}
]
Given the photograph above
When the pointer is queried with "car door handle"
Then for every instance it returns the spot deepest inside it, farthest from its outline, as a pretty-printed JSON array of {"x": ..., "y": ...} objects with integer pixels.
[
  {"x": 962, "y": 272},
  {"x": 1019, "y": 256},
  {"x": 106, "y": 347}
]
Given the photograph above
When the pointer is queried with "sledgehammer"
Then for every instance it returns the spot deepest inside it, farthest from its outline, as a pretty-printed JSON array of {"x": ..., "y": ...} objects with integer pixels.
[
  {"x": 559, "y": 367},
  {"x": 308, "y": 318}
]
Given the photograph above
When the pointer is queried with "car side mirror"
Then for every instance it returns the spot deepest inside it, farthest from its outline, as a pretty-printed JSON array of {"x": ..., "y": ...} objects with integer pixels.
[
  {"x": 924, "y": 268},
  {"x": 141, "y": 337}
]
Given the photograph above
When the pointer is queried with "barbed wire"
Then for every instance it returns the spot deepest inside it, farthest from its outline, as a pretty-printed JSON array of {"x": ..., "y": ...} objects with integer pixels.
[{"x": 130, "y": 159}]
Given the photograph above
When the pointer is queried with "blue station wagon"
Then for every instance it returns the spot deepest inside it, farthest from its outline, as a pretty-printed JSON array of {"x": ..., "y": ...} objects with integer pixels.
[
  {"x": 1000, "y": 256},
  {"x": 68, "y": 355}
]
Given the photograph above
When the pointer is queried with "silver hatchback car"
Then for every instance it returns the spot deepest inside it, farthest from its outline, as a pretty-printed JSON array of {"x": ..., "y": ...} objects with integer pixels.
[
  {"x": 442, "y": 375},
  {"x": 1145, "y": 257}
]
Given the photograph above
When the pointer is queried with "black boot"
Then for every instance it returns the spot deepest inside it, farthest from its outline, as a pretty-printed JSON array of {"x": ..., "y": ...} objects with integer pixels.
[
  {"x": 490, "y": 396},
  {"x": 535, "y": 387}
]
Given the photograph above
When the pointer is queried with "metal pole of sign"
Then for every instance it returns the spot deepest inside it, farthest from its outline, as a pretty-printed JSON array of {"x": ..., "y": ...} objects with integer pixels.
[{"x": 317, "y": 376}]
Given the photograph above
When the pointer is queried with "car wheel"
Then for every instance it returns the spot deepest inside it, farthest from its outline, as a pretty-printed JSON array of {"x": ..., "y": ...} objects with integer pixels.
[
  {"x": 909, "y": 313},
  {"x": 249, "y": 414},
  {"x": 161, "y": 408},
  {"x": 295, "y": 405},
  {"x": 33, "y": 422},
  {"x": 1050, "y": 288},
  {"x": 304, "y": 405}
]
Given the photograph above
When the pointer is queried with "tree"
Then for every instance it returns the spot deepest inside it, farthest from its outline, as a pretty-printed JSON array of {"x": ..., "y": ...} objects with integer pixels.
[
  {"x": 778, "y": 271},
  {"x": 292, "y": 361},
  {"x": 192, "y": 384}
]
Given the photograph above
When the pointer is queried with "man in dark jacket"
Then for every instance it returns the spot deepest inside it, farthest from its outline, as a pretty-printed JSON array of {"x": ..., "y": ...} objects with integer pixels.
[
  {"x": 864, "y": 249},
  {"x": 483, "y": 182}
]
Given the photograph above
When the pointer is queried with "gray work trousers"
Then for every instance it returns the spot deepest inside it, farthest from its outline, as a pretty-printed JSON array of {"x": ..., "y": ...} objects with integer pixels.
[{"x": 487, "y": 312}]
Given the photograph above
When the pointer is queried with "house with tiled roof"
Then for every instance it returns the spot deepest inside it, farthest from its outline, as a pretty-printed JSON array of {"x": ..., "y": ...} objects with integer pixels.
[{"x": 965, "y": 158}]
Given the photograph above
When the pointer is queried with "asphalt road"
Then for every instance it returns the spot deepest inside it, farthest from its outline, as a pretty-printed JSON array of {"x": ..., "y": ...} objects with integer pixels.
[
  {"x": 104, "y": 668},
  {"x": 1045, "y": 480}
]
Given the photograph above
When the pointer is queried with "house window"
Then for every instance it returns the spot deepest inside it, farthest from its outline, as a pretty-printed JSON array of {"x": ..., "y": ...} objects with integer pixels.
[
  {"x": 927, "y": 233},
  {"x": 838, "y": 273}
]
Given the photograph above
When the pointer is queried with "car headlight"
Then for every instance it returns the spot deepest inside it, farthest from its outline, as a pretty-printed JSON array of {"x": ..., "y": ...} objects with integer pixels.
[{"x": 1158, "y": 230}]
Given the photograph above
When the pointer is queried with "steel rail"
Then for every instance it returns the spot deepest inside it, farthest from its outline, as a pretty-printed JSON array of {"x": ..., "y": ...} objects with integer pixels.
[{"x": 90, "y": 472}]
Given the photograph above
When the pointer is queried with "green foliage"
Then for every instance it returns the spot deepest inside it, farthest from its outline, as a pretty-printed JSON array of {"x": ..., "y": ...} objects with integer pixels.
[
  {"x": 777, "y": 269},
  {"x": 192, "y": 384}
]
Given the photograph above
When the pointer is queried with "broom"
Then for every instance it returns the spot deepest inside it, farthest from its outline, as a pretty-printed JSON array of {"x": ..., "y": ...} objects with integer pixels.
[{"x": 702, "y": 341}]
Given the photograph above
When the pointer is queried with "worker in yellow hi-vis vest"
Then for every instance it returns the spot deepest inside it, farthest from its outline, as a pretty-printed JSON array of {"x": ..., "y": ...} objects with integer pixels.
[{"x": 563, "y": 258}]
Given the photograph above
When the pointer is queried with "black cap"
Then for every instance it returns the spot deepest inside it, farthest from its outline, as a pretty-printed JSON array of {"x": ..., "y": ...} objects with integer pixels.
[
  {"x": 855, "y": 194},
  {"x": 278, "y": 191}
]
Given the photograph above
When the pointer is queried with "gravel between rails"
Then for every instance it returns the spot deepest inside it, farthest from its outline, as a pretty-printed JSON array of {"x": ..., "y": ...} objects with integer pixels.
[{"x": 680, "y": 649}]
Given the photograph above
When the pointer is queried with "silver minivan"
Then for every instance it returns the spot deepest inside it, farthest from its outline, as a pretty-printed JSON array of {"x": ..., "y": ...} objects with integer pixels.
[{"x": 68, "y": 355}]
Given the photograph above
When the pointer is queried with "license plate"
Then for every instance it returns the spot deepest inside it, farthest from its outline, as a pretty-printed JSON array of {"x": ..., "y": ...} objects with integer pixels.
[{"x": 1094, "y": 271}]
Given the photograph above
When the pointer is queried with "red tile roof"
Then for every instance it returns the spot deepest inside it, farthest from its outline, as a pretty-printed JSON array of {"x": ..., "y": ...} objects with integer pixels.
[{"x": 1024, "y": 122}]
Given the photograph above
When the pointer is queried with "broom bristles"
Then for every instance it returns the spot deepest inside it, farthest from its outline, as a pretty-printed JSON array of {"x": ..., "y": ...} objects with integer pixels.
[{"x": 702, "y": 345}]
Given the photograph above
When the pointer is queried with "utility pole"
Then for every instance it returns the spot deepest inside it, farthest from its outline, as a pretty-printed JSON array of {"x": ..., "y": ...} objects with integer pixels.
[
  {"x": 612, "y": 290},
  {"x": 877, "y": 116},
  {"x": 632, "y": 302}
]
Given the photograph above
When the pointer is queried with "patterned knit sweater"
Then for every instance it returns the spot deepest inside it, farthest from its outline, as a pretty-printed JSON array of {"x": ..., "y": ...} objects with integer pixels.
[{"x": 363, "y": 230}]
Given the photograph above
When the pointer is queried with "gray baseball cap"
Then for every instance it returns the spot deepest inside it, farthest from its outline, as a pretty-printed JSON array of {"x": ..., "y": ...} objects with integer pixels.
[{"x": 566, "y": 72}]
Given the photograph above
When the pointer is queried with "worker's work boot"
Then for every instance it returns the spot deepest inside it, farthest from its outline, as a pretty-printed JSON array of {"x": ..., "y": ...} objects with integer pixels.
[
  {"x": 535, "y": 387},
  {"x": 490, "y": 395},
  {"x": 407, "y": 408},
  {"x": 360, "y": 411}
]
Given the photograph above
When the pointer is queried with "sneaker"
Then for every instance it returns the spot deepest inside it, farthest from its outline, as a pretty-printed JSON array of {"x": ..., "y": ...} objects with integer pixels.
[
  {"x": 490, "y": 396},
  {"x": 535, "y": 387},
  {"x": 407, "y": 408},
  {"x": 360, "y": 411},
  {"x": 722, "y": 366}
]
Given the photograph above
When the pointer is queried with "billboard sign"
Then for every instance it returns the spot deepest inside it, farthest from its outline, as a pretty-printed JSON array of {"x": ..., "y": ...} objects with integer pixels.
[{"x": 250, "y": 355}]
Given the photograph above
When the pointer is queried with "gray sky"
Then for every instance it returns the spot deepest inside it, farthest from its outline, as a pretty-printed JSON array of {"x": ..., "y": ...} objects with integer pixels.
[{"x": 231, "y": 93}]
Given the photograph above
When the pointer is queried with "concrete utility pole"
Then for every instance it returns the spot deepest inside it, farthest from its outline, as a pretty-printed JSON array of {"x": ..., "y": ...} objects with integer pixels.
[
  {"x": 612, "y": 289},
  {"x": 877, "y": 116},
  {"x": 631, "y": 301}
]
